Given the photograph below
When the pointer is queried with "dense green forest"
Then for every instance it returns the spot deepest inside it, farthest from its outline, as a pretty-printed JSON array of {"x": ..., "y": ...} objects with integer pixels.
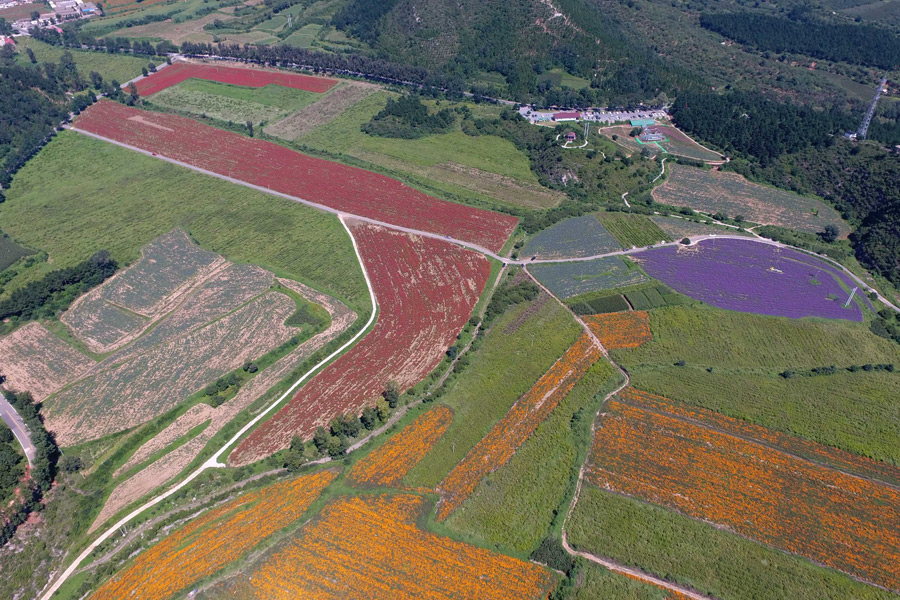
[
  {"x": 32, "y": 104},
  {"x": 12, "y": 462},
  {"x": 752, "y": 125},
  {"x": 856, "y": 44}
]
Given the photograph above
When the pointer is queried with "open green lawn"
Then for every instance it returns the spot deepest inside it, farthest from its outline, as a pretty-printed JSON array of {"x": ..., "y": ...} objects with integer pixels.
[
  {"x": 512, "y": 506},
  {"x": 120, "y": 67},
  {"x": 79, "y": 195},
  {"x": 744, "y": 354},
  {"x": 233, "y": 103},
  {"x": 504, "y": 367},
  {"x": 710, "y": 560}
]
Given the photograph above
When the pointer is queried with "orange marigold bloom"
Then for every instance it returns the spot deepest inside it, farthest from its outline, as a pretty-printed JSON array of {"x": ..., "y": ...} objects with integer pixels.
[
  {"x": 844, "y": 521},
  {"x": 215, "y": 539},
  {"x": 391, "y": 462},
  {"x": 369, "y": 547},
  {"x": 622, "y": 329},
  {"x": 523, "y": 418}
]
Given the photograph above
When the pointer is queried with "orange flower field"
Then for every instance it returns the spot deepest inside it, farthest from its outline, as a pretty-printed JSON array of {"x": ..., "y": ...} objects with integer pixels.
[
  {"x": 215, "y": 539},
  {"x": 391, "y": 462},
  {"x": 370, "y": 547},
  {"x": 843, "y": 521},
  {"x": 622, "y": 329},
  {"x": 529, "y": 411},
  {"x": 834, "y": 457}
]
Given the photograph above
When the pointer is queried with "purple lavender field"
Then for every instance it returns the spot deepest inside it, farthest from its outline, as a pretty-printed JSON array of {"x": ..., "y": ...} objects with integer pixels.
[{"x": 753, "y": 277}]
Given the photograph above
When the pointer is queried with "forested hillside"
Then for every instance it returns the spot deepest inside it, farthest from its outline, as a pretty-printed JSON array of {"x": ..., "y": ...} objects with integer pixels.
[{"x": 857, "y": 44}]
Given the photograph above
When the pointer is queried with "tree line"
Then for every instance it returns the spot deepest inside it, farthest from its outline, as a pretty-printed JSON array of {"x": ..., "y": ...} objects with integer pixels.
[
  {"x": 407, "y": 117},
  {"x": 44, "y": 467},
  {"x": 55, "y": 290},
  {"x": 856, "y": 44}
]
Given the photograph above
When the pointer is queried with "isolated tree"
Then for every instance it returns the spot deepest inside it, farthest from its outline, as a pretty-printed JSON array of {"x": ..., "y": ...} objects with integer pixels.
[
  {"x": 71, "y": 464},
  {"x": 31, "y": 55},
  {"x": 294, "y": 458},
  {"x": 830, "y": 234},
  {"x": 151, "y": 67},
  {"x": 96, "y": 79},
  {"x": 250, "y": 128},
  {"x": 35, "y": 15}
]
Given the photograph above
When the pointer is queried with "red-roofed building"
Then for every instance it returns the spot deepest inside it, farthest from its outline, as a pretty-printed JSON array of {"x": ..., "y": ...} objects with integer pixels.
[
  {"x": 566, "y": 116},
  {"x": 7, "y": 41}
]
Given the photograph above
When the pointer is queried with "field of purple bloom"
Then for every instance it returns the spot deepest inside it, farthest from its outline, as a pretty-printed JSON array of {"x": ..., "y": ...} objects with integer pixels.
[
  {"x": 753, "y": 277},
  {"x": 573, "y": 238}
]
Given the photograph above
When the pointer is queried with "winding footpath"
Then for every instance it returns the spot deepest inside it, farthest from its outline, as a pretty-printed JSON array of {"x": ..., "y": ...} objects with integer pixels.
[{"x": 214, "y": 461}]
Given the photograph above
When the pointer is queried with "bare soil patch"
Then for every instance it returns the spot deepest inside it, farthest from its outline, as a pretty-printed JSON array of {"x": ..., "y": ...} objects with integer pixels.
[
  {"x": 34, "y": 360},
  {"x": 324, "y": 110},
  {"x": 177, "y": 33}
]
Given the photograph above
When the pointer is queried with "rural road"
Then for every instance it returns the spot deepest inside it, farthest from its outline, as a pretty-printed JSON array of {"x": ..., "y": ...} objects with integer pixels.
[
  {"x": 471, "y": 246},
  {"x": 19, "y": 429},
  {"x": 213, "y": 462}
]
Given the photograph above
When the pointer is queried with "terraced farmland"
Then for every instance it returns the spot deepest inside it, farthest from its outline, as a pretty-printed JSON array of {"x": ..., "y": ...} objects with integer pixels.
[
  {"x": 732, "y": 195},
  {"x": 566, "y": 280},
  {"x": 210, "y": 317},
  {"x": 426, "y": 290}
]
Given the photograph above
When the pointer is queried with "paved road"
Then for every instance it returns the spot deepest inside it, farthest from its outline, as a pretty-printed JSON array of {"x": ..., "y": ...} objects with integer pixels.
[{"x": 19, "y": 429}]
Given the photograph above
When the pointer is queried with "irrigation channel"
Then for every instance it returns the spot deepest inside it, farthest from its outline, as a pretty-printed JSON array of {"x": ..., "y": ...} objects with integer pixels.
[{"x": 213, "y": 462}]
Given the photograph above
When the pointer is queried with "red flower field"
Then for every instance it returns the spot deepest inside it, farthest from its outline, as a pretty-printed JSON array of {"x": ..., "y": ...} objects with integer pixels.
[
  {"x": 274, "y": 167},
  {"x": 178, "y": 72},
  {"x": 426, "y": 290}
]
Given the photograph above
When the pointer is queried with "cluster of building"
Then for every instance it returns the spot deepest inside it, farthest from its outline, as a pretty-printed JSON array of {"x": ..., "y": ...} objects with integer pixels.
[
  {"x": 597, "y": 115},
  {"x": 60, "y": 11}
]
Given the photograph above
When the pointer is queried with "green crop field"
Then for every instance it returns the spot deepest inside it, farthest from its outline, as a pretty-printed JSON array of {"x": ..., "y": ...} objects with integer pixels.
[
  {"x": 632, "y": 230},
  {"x": 594, "y": 581},
  {"x": 489, "y": 168},
  {"x": 120, "y": 67},
  {"x": 732, "y": 195},
  {"x": 513, "y": 508},
  {"x": 105, "y": 197},
  {"x": 567, "y": 280},
  {"x": 498, "y": 375},
  {"x": 233, "y": 103},
  {"x": 710, "y": 560},
  {"x": 745, "y": 353}
]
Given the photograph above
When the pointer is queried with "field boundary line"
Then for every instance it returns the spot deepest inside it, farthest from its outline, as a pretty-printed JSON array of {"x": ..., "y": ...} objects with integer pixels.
[
  {"x": 213, "y": 461},
  {"x": 470, "y": 245}
]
